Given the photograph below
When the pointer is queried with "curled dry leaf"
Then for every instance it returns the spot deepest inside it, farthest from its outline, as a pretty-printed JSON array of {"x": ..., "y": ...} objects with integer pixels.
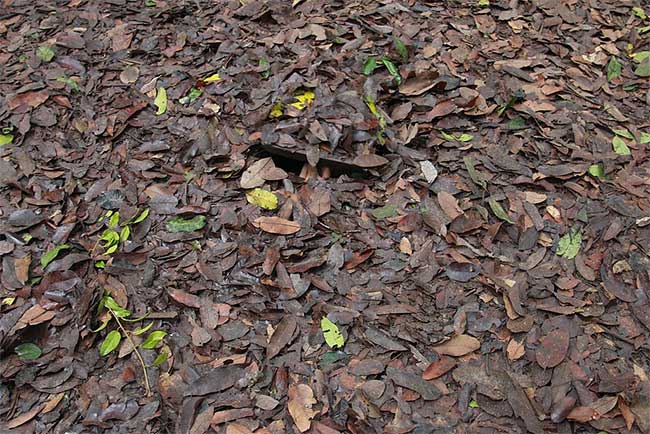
[
  {"x": 301, "y": 400},
  {"x": 277, "y": 225}
]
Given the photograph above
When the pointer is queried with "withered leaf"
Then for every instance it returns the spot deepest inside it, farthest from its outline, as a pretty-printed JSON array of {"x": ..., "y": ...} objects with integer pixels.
[
  {"x": 458, "y": 346},
  {"x": 281, "y": 336},
  {"x": 277, "y": 225},
  {"x": 301, "y": 400},
  {"x": 553, "y": 348},
  {"x": 413, "y": 382},
  {"x": 439, "y": 368}
]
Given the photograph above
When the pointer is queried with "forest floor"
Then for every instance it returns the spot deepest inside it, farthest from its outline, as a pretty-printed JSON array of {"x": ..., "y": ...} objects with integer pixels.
[{"x": 326, "y": 217}]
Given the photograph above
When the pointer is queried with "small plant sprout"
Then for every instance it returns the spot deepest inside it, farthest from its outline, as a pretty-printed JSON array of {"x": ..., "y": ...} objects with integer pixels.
[
  {"x": 117, "y": 232},
  {"x": 109, "y": 310}
]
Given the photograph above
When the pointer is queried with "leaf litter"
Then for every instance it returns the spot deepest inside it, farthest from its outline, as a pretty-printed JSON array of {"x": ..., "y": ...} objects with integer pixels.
[{"x": 458, "y": 188}]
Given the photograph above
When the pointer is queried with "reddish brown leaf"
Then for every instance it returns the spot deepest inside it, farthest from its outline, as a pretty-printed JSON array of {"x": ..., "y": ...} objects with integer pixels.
[
  {"x": 552, "y": 348},
  {"x": 441, "y": 109},
  {"x": 458, "y": 346},
  {"x": 439, "y": 368},
  {"x": 369, "y": 160},
  {"x": 281, "y": 336},
  {"x": 301, "y": 400},
  {"x": 185, "y": 298},
  {"x": 29, "y": 99}
]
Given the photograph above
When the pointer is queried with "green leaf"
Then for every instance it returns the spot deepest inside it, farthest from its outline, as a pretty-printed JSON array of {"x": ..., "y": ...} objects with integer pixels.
[
  {"x": 125, "y": 233},
  {"x": 111, "y": 342},
  {"x": 641, "y": 56},
  {"x": 620, "y": 147},
  {"x": 263, "y": 198},
  {"x": 643, "y": 70},
  {"x": 331, "y": 357},
  {"x": 150, "y": 3},
  {"x": 614, "y": 68},
  {"x": 114, "y": 220},
  {"x": 639, "y": 12},
  {"x": 112, "y": 249},
  {"x": 483, "y": 3},
  {"x": 100, "y": 264},
  {"x": 70, "y": 82},
  {"x": 370, "y": 66},
  {"x": 624, "y": 133},
  {"x": 517, "y": 123},
  {"x": 332, "y": 334},
  {"x": 102, "y": 325},
  {"x": 264, "y": 63},
  {"x": 115, "y": 308},
  {"x": 160, "y": 101},
  {"x": 51, "y": 255},
  {"x": 153, "y": 339},
  {"x": 45, "y": 53},
  {"x": 597, "y": 170},
  {"x": 644, "y": 138},
  {"x": 474, "y": 174},
  {"x": 498, "y": 211},
  {"x": 5, "y": 139},
  {"x": 447, "y": 137},
  {"x": 569, "y": 245},
  {"x": 384, "y": 212},
  {"x": 28, "y": 351},
  {"x": 143, "y": 215},
  {"x": 179, "y": 224},
  {"x": 392, "y": 69},
  {"x": 191, "y": 96},
  {"x": 401, "y": 49},
  {"x": 142, "y": 330},
  {"x": 473, "y": 404},
  {"x": 160, "y": 359},
  {"x": 464, "y": 137}
]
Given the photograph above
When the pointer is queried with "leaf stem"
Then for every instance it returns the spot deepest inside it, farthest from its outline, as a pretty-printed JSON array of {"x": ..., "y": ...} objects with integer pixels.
[{"x": 137, "y": 353}]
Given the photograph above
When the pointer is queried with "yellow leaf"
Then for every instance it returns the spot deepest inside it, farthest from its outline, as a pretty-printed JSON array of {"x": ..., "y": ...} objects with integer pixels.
[
  {"x": 262, "y": 198},
  {"x": 332, "y": 334},
  {"x": 211, "y": 78},
  {"x": 161, "y": 101},
  {"x": 303, "y": 99},
  {"x": 276, "y": 111},
  {"x": 8, "y": 300}
]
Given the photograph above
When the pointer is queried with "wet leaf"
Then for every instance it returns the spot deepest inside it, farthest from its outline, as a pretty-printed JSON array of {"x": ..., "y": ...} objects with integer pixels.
[
  {"x": 263, "y": 198},
  {"x": 458, "y": 346},
  {"x": 153, "y": 339},
  {"x": 332, "y": 334},
  {"x": 180, "y": 224},
  {"x": 160, "y": 101},
  {"x": 28, "y": 351},
  {"x": 498, "y": 211},
  {"x": 51, "y": 255},
  {"x": 111, "y": 342},
  {"x": 569, "y": 245},
  {"x": 277, "y": 225}
]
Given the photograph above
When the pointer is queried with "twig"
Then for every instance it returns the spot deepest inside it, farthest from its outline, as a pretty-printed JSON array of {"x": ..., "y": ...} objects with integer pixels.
[{"x": 135, "y": 349}]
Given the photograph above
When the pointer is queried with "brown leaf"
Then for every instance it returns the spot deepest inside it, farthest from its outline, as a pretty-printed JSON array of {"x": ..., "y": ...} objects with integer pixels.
[
  {"x": 236, "y": 428},
  {"x": 185, "y": 298},
  {"x": 458, "y": 346},
  {"x": 582, "y": 414},
  {"x": 277, "y": 225},
  {"x": 301, "y": 400},
  {"x": 418, "y": 85},
  {"x": 515, "y": 349},
  {"x": 281, "y": 336},
  {"x": 441, "y": 109},
  {"x": 553, "y": 348},
  {"x": 449, "y": 204},
  {"x": 254, "y": 175},
  {"x": 439, "y": 368},
  {"x": 25, "y": 417},
  {"x": 320, "y": 202},
  {"x": 369, "y": 160},
  {"x": 627, "y": 414},
  {"x": 30, "y": 99},
  {"x": 22, "y": 268}
]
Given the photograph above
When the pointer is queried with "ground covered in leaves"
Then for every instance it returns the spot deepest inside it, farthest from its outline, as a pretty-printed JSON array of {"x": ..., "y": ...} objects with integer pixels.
[{"x": 322, "y": 216}]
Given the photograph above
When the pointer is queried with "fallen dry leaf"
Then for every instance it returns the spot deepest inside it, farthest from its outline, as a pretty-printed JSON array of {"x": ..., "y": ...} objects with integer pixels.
[
  {"x": 458, "y": 346},
  {"x": 277, "y": 225},
  {"x": 301, "y": 400}
]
